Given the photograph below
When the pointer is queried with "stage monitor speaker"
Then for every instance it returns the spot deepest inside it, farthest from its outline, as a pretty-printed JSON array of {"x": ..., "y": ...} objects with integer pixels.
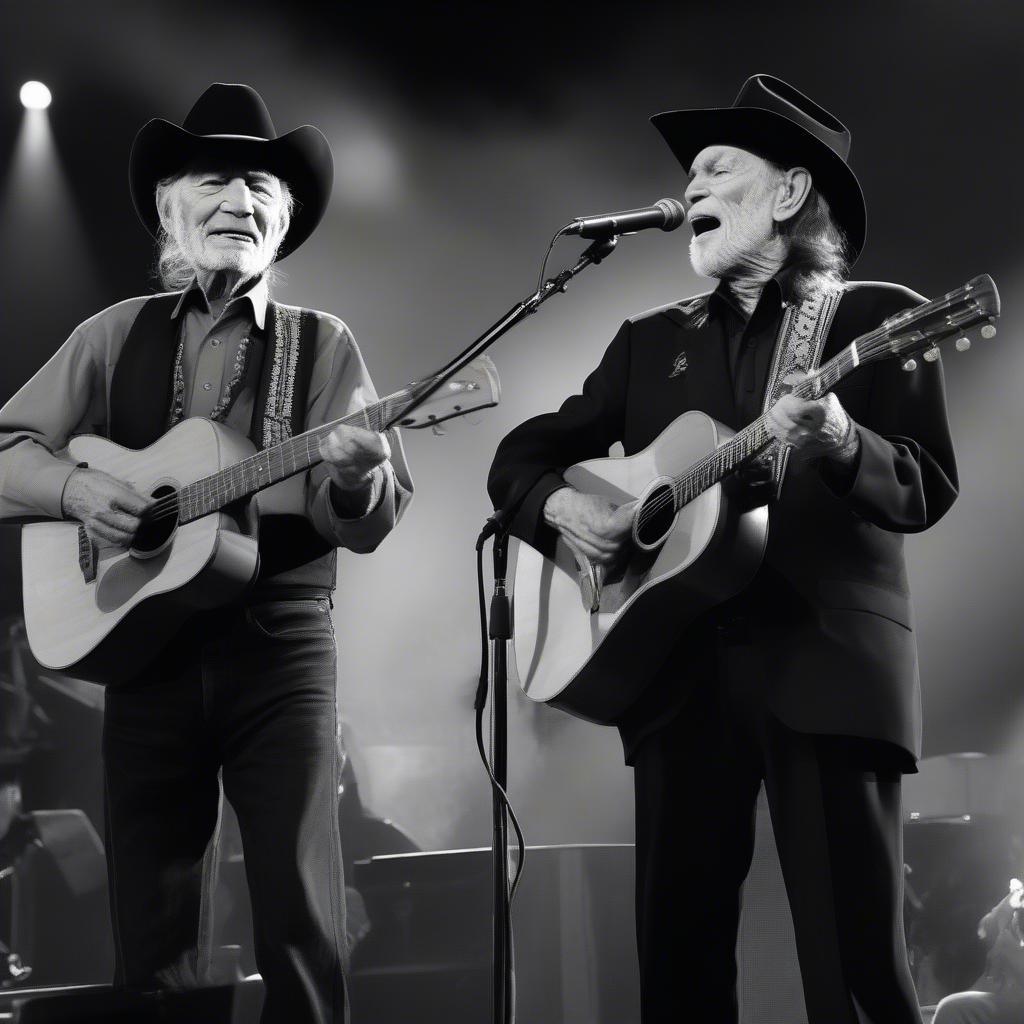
[
  {"x": 224, "y": 1004},
  {"x": 427, "y": 956}
]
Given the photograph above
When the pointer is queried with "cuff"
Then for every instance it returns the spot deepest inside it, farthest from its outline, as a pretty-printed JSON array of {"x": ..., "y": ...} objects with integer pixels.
[
  {"x": 840, "y": 477},
  {"x": 529, "y": 522},
  {"x": 39, "y": 481},
  {"x": 337, "y": 497},
  {"x": 364, "y": 533}
]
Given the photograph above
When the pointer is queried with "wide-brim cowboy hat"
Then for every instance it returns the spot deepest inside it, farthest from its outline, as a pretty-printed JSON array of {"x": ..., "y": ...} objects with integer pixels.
[
  {"x": 772, "y": 119},
  {"x": 231, "y": 126}
]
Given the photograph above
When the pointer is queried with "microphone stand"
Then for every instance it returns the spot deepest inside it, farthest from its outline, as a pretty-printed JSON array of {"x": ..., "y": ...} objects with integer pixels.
[
  {"x": 593, "y": 254},
  {"x": 499, "y": 632}
]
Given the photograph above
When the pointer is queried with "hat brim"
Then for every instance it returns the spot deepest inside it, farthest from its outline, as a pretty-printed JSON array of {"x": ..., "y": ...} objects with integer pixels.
[
  {"x": 302, "y": 158},
  {"x": 780, "y": 140}
]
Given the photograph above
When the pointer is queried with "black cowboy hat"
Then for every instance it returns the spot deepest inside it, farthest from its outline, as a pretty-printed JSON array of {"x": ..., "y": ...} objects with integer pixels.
[
  {"x": 777, "y": 122},
  {"x": 230, "y": 124}
]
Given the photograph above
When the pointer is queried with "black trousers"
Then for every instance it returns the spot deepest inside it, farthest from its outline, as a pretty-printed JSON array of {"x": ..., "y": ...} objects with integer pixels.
[
  {"x": 248, "y": 695},
  {"x": 837, "y": 824}
]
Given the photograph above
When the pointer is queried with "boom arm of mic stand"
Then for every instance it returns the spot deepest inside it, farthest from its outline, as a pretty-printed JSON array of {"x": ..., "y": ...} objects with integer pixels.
[{"x": 593, "y": 254}]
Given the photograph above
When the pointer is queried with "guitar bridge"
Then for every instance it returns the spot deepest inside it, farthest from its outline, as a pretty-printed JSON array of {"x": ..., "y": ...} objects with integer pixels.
[{"x": 86, "y": 556}]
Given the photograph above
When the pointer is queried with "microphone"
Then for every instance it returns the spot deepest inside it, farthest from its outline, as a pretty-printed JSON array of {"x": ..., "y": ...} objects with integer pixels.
[{"x": 667, "y": 214}]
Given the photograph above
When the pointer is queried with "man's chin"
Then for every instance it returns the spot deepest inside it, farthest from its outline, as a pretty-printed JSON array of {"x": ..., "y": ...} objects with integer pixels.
[{"x": 245, "y": 264}]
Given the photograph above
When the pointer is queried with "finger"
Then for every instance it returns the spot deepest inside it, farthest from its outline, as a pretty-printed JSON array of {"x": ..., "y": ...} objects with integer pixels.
[
  {"x": 594, "y": 544},
  {"x": 360, "y": 439},
  {"x": 624, "y": 513},
  {"x": 783, "y": 420},
  {"x": 121, "y": 521},
  {"x": 585, "y": 548},
  {"x": 99, "y": 532},
  {"x": 127, "y": 500}
]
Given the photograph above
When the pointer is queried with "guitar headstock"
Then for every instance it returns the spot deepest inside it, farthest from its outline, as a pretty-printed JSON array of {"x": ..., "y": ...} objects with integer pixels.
[
  {"x": 475, "y": 386},
  {"x": 920, "y": 330}
]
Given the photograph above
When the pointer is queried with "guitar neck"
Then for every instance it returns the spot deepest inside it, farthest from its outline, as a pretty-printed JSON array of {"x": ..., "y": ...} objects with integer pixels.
[
  {"x": 754, "y": 438},
  {"x": 272, "y": 465}
]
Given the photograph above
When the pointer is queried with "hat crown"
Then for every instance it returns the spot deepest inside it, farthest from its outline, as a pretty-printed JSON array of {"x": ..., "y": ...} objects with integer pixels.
[
  {"x": 226, "y": 109},
  {"x": 765, "y": 92}
]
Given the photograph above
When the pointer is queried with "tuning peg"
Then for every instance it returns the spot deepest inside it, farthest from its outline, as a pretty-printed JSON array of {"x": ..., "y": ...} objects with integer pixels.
[
  {"x": 963, "y": 343},
  {"x": 931, "y": 354},
  {"x": 910, "y": 365},
  {"x": 988, "y": 331}
]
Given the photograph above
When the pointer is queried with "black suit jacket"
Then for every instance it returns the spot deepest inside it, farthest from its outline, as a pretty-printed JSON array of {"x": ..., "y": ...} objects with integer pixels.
[{"x": 842, "y": 658}]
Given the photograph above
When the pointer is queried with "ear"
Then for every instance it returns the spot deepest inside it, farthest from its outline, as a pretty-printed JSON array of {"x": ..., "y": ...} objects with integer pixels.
[{"x": 791, "y": 193}]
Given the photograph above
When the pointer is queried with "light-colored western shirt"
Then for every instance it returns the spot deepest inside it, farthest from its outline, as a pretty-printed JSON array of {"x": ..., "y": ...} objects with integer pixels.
[{"x": 70, "y": 395}]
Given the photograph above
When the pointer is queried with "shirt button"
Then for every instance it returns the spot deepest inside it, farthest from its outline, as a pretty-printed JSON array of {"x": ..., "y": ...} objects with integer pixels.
[
  {"x": 207, "y": 386},
  {"x": 215, "y": 341}
]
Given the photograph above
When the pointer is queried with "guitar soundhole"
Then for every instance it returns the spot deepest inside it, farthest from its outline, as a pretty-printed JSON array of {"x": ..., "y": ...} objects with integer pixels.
[
  {"x": 157, "y": 528},
  {"x": 655, "y": 517}
]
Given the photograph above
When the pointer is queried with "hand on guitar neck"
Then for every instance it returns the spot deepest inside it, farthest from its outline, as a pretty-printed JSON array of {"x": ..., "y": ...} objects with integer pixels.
[
  {"x": 109, "y": 509},
  {"x": 354, "y": 458},
  {"x": 591, "y": 523},
  {"x": 814, "y": 427}
]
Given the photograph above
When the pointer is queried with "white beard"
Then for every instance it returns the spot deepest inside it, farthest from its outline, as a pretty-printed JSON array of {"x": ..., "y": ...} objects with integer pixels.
[{"x": 247, "y": 261}]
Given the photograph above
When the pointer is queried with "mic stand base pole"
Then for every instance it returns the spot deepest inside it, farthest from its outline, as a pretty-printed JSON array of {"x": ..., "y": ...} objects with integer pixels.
[{"x": 500, "y": 633}]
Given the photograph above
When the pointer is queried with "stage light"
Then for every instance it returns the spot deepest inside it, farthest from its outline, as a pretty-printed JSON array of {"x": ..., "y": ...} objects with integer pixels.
[{"x": 35, "y": 96}]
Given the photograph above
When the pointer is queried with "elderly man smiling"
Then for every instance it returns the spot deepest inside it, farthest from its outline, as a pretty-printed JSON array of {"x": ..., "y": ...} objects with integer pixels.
[
  {"x": 248, "y": 692},
  {"x": 807, "y": 680}
]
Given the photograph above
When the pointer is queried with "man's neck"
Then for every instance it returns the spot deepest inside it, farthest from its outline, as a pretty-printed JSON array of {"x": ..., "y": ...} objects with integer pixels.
[
  {"x": 223, "y": 284},
  {"x": 747, "y": 281}
]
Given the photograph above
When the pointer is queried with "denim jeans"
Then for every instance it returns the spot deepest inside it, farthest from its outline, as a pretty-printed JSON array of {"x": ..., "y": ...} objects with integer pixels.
[{"x": 246, "y": 695}]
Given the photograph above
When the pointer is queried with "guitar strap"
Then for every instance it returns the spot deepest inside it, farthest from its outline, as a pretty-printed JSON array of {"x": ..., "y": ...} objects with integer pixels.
[
  {"x": 801, "y": 341},
  {"x": 280, "y": 410}
]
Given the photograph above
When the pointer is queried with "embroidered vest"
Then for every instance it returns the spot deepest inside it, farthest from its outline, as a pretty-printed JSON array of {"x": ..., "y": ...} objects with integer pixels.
[{"x": 292, "y": 553}]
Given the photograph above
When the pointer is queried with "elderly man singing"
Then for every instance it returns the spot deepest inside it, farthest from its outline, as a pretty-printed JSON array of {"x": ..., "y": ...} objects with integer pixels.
[
  {"x": 246, "y": 693},
  {"x": 807, "y": 680}
]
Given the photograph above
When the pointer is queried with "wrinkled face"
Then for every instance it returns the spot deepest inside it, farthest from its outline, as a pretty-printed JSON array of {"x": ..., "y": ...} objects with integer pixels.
[
  {"x": 227, "y": 219},
  {"x": 730, "y": 202}
]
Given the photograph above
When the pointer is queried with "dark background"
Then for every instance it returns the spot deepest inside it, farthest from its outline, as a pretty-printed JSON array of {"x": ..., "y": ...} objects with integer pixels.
[{"x": 464, "y": 137}]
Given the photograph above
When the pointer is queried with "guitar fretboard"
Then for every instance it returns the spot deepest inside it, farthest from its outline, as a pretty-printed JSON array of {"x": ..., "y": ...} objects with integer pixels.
[
  {"x": 754, "y": 438},
  {"x": 270, "y": 466}
]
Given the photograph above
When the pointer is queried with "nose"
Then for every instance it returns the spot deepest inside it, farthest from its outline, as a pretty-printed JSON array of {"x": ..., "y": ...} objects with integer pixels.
[
  {"x": 237, "y": 198},
  {"x": 695, "y": 191}
]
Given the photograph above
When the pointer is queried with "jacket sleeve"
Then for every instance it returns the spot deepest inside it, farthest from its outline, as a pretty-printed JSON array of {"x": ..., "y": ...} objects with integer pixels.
[
  {"x": 905, "y": 478},
  {"x": 529, "y": 462},
  {"x": 63, "y": 399},
  {"x": 348, "y": 389}
]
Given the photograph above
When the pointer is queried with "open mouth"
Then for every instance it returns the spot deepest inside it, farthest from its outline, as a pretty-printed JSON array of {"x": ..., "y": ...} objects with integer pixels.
[
  {"x": 703, "y": 223},
  {"x": 238, "y": 236}
]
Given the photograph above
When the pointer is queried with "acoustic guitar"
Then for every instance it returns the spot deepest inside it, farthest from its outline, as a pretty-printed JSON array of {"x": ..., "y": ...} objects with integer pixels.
[
  {"x": 103, "y": 612},
  {"x": 589, "y": 644}
]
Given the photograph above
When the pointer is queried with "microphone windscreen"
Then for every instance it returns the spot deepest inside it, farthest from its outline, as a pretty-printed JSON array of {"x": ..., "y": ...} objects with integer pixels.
[{"x": 675, "y": 213}]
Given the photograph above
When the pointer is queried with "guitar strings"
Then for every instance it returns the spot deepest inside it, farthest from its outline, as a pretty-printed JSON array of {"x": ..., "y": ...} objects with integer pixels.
[
  {"x": 868, "y": 346},
  {"x": 377, "y": 413},
  {"x": 717, "y": 462}
]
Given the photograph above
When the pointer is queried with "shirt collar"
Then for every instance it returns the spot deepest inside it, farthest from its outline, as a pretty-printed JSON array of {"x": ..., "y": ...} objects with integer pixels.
[{"x": 258, "y": 295}]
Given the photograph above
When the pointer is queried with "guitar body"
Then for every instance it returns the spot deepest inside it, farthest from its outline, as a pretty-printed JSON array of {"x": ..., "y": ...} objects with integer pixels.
[
  {"x": 594, "y": 664},
  {"x": 109, "y": 628}
]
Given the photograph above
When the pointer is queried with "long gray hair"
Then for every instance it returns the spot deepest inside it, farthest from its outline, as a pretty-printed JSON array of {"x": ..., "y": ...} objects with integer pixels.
[
  {"x": 171, "y": 267},
  {"x": 818, "y": 250}
]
